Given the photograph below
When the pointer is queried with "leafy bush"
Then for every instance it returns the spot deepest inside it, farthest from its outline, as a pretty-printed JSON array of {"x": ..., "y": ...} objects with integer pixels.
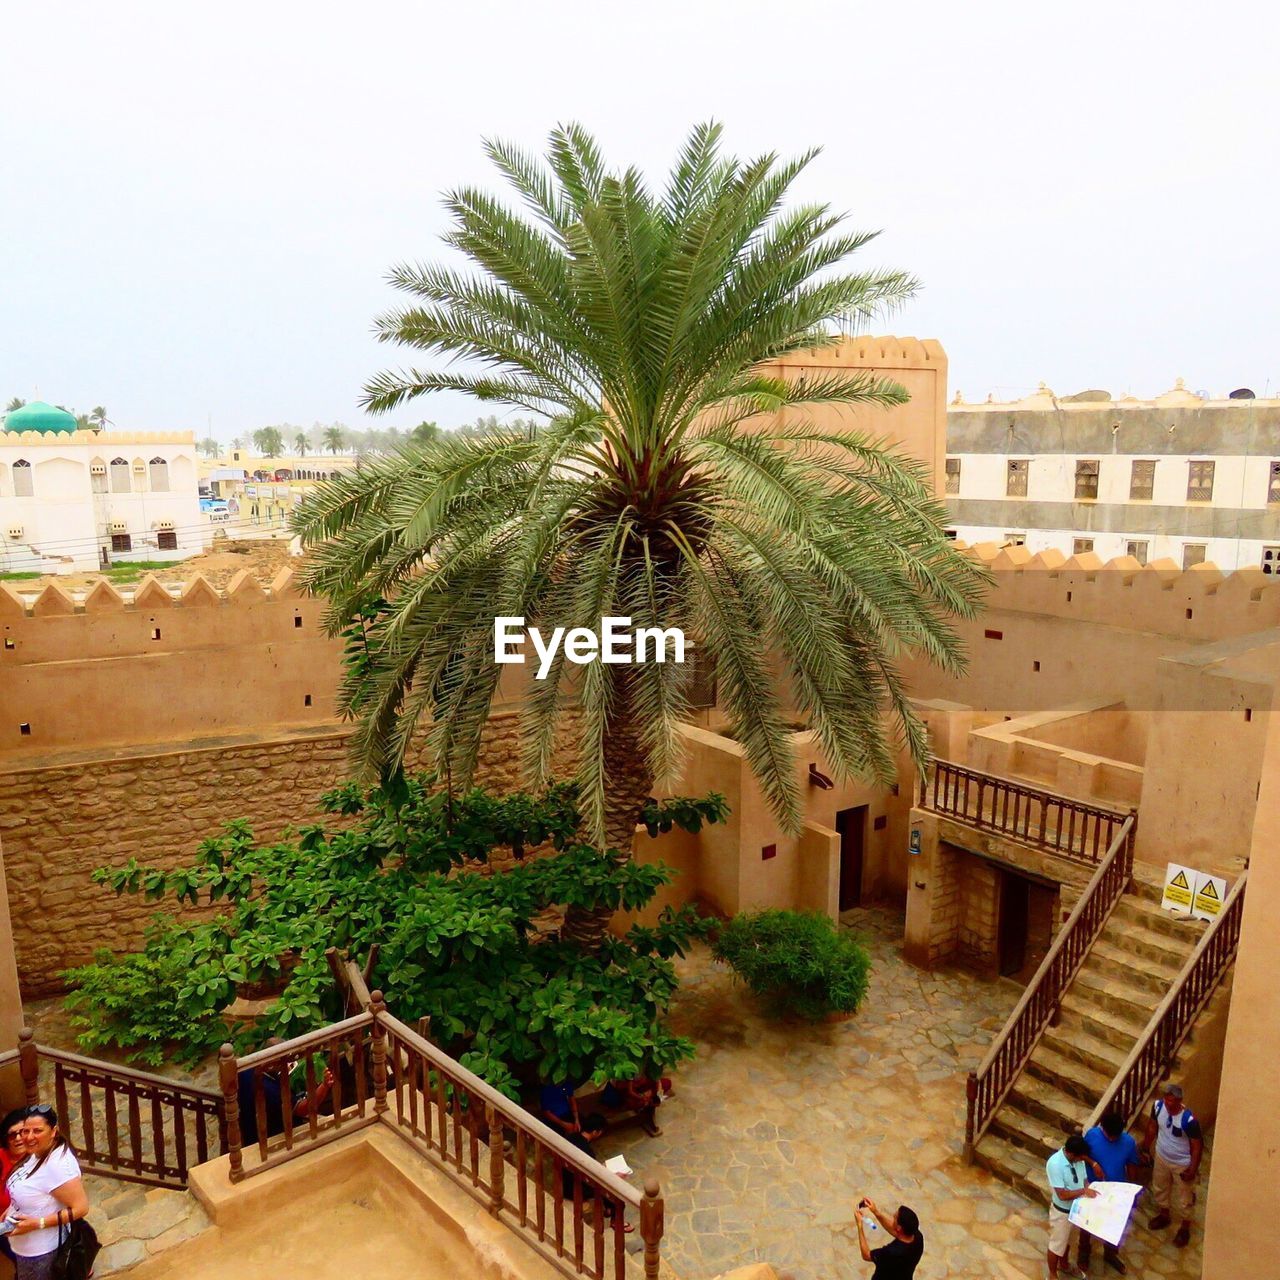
[
  {"x": 460, "y": 939},
  {"x": 798, "y": 961}
]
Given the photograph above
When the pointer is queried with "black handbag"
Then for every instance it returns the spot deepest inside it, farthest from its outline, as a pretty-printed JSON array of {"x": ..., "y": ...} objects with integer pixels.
[{"x": 77, "y": 1248}]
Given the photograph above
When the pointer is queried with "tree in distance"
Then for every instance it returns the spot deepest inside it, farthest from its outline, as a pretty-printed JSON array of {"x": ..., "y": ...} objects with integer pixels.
[
  {"x": 269, "y": 441},
  {"x": 673, "y": 480}
]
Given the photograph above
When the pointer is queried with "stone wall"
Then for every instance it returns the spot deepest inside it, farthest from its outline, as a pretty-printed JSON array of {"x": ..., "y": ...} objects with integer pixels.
[
  {"x": 58, "y": 823},
  {"x": 979, "y": 913}
]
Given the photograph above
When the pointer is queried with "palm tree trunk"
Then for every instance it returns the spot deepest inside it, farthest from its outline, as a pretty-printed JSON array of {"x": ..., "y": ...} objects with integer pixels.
[{"x": 630, "y": 784}]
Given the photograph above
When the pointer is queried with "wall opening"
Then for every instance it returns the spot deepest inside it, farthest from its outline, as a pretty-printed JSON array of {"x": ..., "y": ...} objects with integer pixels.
[
  {"x": 25, "y": 729},
  {"x": 306, "y": 700},
  {"x": 852, "y": 826}
]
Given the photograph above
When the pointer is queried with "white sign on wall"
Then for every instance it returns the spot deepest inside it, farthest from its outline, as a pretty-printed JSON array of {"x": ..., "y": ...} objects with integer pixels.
[{"x": 1189, "y": 892}]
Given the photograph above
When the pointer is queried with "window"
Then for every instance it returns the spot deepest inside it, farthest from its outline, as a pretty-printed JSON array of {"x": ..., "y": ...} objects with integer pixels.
[
  {"x": 98, "y": 476},
  {"x": 1192, "y": 553},
  {"x": 1015, "y": 484},
  {"x": 23, "y": 485},
  {"x": 1271, "y": 560},
  {"x": 167, "y": 540},
  {"x": 120, "y": 476},
  {"x": 1080, "y": 545},
  {"x": 1142, "y": 480},
  {"x": 953, "y": 475},
  {"x": 1273, "y": 493},
  {"x": 1138, "y": 550},
  {"x": 121, "y": 542},
  {"x": 1200, "y": 482},
  {"x": 158, "y": 470},
  {"x": 1087, "y": 478},
  {"x": 1015, "y": 539}
]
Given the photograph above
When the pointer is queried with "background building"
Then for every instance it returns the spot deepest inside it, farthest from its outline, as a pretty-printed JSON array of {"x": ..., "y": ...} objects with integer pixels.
[
  {"x": 1181, "y": 477},
  {"x": 74, "y": 499}
]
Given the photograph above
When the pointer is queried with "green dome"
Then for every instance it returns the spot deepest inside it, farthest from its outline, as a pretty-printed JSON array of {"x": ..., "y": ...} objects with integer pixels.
[{"x": 38, "y": 416}]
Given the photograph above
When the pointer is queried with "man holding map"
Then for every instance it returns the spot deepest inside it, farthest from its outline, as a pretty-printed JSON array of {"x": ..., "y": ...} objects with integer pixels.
[
  {"x": 1113, "y": 1150},
  {"x": 1068, "y": 1174}
]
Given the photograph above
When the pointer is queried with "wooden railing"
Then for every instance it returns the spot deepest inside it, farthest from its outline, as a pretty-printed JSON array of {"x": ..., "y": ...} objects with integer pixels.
[
  {"x": 988, "y": 1086},
  {"x": 1151, "y": 1057},
  {"x": 561, "y": 1202},
  {"x": 1043, "y": 819},
  {"x": 123, "y": 1123}
]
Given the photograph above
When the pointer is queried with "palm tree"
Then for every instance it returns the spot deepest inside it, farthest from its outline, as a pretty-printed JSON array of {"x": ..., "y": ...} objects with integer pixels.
[
  {"x": 209, "y": 447},
  {"x": 300, "y": 444},
  {"x": 334, "y": 437},
  {"x": 237, "y": 442},
  {"x": 802, "y": 560},
  {"x": 98, "y": 419},
  {"x": 16, "y": 403}
]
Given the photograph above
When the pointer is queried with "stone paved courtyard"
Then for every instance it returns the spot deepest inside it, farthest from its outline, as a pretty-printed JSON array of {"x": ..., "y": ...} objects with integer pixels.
[{"x": 777, "y": 1128}]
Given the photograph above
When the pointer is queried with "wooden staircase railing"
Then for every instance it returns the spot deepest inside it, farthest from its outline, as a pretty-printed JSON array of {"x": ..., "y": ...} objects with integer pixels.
[
  {"x": 1042, "y": 819},
  {"x": 524, "y": 1173},
  {"x": 989, "y": 1085},
  {"x": 1149, "y": 1060},
  {"x": 123, "y": 1123}
]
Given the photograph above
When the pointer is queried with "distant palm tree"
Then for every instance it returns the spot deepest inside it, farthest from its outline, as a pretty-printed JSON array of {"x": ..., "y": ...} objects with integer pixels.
[
  {"x": 674, "y": 483},
  {"x": 334, "y": 438},
  {"x": 237, "y": 443},
  {"x": 84, "y": 422},
  {"x": 209, "y": 447},
  {"x": 300, "y": 444},
  {"x": 16, "y": 403},
  {"x": 98, "y": 419}
]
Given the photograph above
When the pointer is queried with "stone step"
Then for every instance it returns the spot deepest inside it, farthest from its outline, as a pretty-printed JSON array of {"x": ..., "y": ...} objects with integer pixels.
[
  {"x": 1081, "y": 1014},
  {"x": 1130, "y": 1004},
  {"x": 1168, "y": 952},
  {"x": 1045, "y": 1101},
  {"x": 1151, "y": 916},
  {"x": 1109, "y": 960},
  {"x": 1014, "y": 1165},
  {"x": 1077, "y": 1045},
  {"x": 1039, "y": 1137},
  {"x": 1081, "y": 1078}
]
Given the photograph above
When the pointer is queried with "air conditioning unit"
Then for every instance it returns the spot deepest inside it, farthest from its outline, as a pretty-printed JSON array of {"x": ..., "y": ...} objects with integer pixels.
[
  {"x": 164, "y": 524},
  {"x": 15, "y": 532},
  {"x": 118, "y": 526},
  {"x": 97, "y": 468}
]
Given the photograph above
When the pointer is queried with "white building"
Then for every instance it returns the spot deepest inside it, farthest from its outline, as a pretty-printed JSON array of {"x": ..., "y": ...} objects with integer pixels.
[
  {"x": 74, "y": 500},
  {"x": 1182, "y": 477}
]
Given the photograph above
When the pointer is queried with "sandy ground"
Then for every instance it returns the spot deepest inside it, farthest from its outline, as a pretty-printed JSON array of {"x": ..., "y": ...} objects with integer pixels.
[{"x": 263, "y": 557}]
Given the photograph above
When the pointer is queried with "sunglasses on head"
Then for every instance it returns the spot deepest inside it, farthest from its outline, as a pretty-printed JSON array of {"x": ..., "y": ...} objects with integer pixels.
[{"x": 44, "y": 1111}]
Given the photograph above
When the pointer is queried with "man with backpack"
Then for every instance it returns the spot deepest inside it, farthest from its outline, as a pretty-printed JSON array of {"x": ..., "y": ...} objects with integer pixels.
[{"x": 1179, "y": 1145}]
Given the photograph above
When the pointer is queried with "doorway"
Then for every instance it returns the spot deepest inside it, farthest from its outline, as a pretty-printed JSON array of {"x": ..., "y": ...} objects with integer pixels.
[
  {"x": 1015, "y": 907},
  {"x": 852, "y": 826}
]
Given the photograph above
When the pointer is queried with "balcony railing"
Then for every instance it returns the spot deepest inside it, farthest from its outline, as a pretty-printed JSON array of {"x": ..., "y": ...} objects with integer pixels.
[
  {"x": 990, "y": 1084},
  {"x": 1149, "y": 1061},
  {"x": 383, "y": 1072},
  {"x": 122, "y": 1123},
  {"x": 1042, "y": 819}
]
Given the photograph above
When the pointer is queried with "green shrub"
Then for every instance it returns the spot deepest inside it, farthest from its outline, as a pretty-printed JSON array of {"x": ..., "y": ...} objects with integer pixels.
[{"x": 797, "y": 961}]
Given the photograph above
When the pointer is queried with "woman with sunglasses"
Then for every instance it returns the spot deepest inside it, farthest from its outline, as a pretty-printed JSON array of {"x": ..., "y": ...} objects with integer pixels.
[
  {"x": 13, "y": 1150},
  {"x": 46, "y": 1193}
]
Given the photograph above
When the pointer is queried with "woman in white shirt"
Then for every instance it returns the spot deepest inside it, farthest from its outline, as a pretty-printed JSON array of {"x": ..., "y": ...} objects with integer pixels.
[{"x": 45, "y": 1191}]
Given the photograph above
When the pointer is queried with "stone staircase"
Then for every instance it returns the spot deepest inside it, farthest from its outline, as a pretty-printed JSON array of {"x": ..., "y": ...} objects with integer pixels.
[{"x": 1125, "y": 976}]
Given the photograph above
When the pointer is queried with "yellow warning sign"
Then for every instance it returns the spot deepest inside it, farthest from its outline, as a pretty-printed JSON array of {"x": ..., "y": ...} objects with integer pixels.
[
  {"x": 1210, "y": 892},
  {"x": 1178, "y": 890}
]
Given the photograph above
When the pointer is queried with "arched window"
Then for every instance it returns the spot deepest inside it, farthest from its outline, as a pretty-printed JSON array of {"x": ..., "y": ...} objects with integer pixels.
[
  {"x": 23, "y": 483},
  {"x": 159, "y": 475},
  {"x": 98, "y": 476},
  {"x": 120, "y": 476}
]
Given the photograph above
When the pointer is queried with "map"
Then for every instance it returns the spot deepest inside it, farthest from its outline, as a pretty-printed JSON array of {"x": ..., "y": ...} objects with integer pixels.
[{"x": 1106, "y": 1215}]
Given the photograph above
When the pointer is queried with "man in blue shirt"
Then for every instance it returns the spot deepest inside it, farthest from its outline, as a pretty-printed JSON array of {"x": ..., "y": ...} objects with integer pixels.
[{"x": 1113, "y": 1151}]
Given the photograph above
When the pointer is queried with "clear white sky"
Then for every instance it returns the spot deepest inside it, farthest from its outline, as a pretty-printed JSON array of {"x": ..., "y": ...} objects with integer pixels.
[{"x": 199, "y": 200}]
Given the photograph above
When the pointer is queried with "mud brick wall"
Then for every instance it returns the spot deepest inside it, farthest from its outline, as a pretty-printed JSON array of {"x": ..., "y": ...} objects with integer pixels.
[{"x": 59, "y": 823}]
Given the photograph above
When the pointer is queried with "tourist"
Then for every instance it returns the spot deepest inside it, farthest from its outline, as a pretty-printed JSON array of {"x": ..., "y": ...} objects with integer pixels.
[
  {"x": 46, "y": 1194},
  {"x": 1068, "y": 1173},
  {"x": 588, "y": 1130},
  {"x": 13, "y": 1151},
  {"x": 273, "y": 1110},
  {"x": 559, "y": 1107},
  {"x": 896, "y": 1259},
  {"x": 1179, "y": 1145},
  {"x": 1113, "y": 1150},
  {"x": 641, "y": 1095}
]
